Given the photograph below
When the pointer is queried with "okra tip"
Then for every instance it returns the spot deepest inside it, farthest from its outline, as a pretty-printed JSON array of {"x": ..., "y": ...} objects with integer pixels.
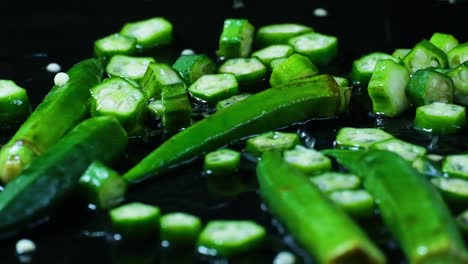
[{"x": 13, "y": 158}]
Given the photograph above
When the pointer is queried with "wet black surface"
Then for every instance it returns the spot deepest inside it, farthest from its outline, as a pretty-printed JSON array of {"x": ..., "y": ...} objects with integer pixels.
[{"x": 35, "y": 34}]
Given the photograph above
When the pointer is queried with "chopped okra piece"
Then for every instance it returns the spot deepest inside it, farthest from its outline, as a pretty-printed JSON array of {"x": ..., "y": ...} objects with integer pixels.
[
  {"x": 458, "y": 55},
  {"x": 222, "y": 162},
  {"x": 236, "y": 39},
  {"x": 177, "y": 110},
  {"x": 279, "y": 33},
  {"x": 440, "y": 118},
  {"x": 231, "y": 100},
  {"x": 191, "y": 67},
  {"x": 387, "y": 88},
  {"x": 400, "y": 53},
  {"x": 406, "y": 150},
  {"x": 214, "y": 87},
  {"x": 135, "y": 220},
  {"x": 364, "y": 66},
  {"x": 119, "y": 98},
  {"x": 128, "y": 67},
  {"x": 320, "y": 49},
  {"x": 295, "y": 67},
  {"x": 336, "y": 181},
  {"x": 156, "y": 108},
  {"x": 454, "y": 190},
  {"x": 357, "y": 203},
  {"x": 271, "y": 141},
  {"x": 157, "y": 76},
  {"x": 345, "y": 97},
  {"x": 357, "y": 138},
  {"x": 459, "y": 77},
  {"x": 462, "y": 221},
  {"x": 342, "y": 82},
  {"x": 456, "y": 166},
  {"x": 180, "y": 229},
  {"x": 427, "y": 86},
  {"x": 445, "y": 42},
  {"x": 114, "y": 44},
  {"x": 266, "y": 55},
  {"x": 425, "y": 55},
  {"x": 229, "y": 238},
  {"x": 14, "y": 102},
  {"x": 149, "y": 33},
  {"x": 307, "y": 160},
  {"x": 102, "y": 186},
  {"x": 274, "y": 63},
  {"x": 247, "y": 70}
]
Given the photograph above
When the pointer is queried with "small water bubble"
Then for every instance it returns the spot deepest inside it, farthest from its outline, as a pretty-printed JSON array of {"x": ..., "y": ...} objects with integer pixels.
[
  {"x": 320, "y": 12},
  {"x": 53, "y": 67}
]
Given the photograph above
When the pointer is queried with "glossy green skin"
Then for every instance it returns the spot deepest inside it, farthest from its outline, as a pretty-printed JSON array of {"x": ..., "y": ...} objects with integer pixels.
[
  {"x": 268, "y": 110},
  {"x": 361, "y": 73},
  {"x": 135, "y": 220},
  {"x": 14, "y": 107},
  {"x": 101, "y": 51},
  {"x": 459, "y": 77},
  {"x": 53, "y": 176},
  {"x": 192, "y": 67},
  {"x": 433, "y": 57},
  {"x": 180, "y": 229},
  {"x": 320, "y": 55},
  {"x": 410, "y": 206},
  {"x": 424, "y": 87},
  {"x": 157, "y": 76},
  {"x": 440, "y": 124},
  {"x": 177, "y": 110},
  {"x": 443, "y": 41},
  {"x": 265, "y": 37},
  {"x": 332, "y": 237},
  {"x": 295, "y": 67},
  {"x": 62, "y": 109},
  {"x": 458, "y": 55},
  {"x": 236, "y": 39}
]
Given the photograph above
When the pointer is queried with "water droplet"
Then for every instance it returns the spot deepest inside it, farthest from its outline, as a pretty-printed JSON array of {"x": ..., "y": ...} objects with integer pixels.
[
  {"x": 53, "y": 67},
  {"x": 320, "y": 12}
]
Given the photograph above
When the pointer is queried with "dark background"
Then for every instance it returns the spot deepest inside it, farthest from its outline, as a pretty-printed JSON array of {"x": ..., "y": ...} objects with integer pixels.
[{"x": 35, "y": 33}]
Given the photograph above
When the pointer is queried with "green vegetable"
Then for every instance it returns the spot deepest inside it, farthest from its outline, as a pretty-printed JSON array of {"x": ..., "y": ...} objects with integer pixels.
[
  {"x": 231, "y": 100},
  {"x": 456, "y": 165},
  {"x": 229, "y": 238},
  {"x": 410, "y": 207},
  {"x": 320, "y": 49},
  {"x": 102, "y": 186},
  {"x": 176, "y": 107},
  {"x": 115, "y": 44},
  {"x": 133, "y": 68},
  {"x": 214, "y": 87},
  {"x": 271, "y": 141},
  {"x": 454, "y": 190},
  {"x": 408, "y": 151},
  {"x": 336, "y": 181},
  {"x": 459, "y": 77},
  {"x": 156, "y": 108},
  {"x": 274, "y": 63},
  {"x": 180, "y": 229},
  {"x": 428, "y": 86},
  {"x": 279, "y": 33},
  {"x": 50, "y": 178},
  {"x": 62, "y": 108},
  {"x": 14, "y": 103},
  {"x": 356, "y": 138},
  {"x": 364, "y": 66},
  {"x": 424, "y": 55},
  {"x": 445, "y": 42},
  {"x": 151, "y": 32},
  {"x": 458, "y": 55},
  {"x": 247, "y": 70},
  {"x": 268, "y": 110},
  {"x": 440, "y": 118},
  {"x": 236, "y": 39},
  {"x": 192, "y": 67},
  {"x": 156, "y": 77},
  {"x": 342, "y": 82},
  {"x": 135, "y": 220},
  {"x": 268, "y": 54},
  {"x": 307, "y": 160},
  {"x": 357, "y": 203},
  {"x": 315, "y": 222},
  {"x": 462, "y": 221},
  {"x": 222, "y": 162},
  {"x": 294, "y": 67},
  {"x": 400, "y": 53}
]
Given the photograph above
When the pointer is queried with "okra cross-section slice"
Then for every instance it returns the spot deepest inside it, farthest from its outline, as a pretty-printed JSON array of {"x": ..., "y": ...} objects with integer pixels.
[
  {"x": 440, "y": 118},
  {"x": 222, "y": 162},
  {"x": 231, "y": 100},
  {"x": 151, "y": 32},
  {"x": 236, "y": 39},
  {"x": 458, "y": 55},
  {"x": 427, "y": 86},
  {"x": 443, "y": 41},
  {"x": 102, "y": 186},
  {"x": 128, "y": 67},
  {"x": 155, "y": 108},
  {"x": 456, "y": 165},
  {"x": 387, "y": 88},
  {"x": 229, "y": 238},
  {"x": 364, "y": 66},
  {"x": 400, "y": 53},
  {"x": 357, "y": 203},
  {"x": 191, "y": 67},
  {"x": 176, "y": 107},
  {"x": 459, "y": 77},
  {"x": 119, "y": 98},
  {"x": 454, "y": 190},
  {"x": 307, "y": 160},
  {"x": 406, "y": 150},
  {"x": 180, "y": 229},
  {"x": 115, "y": 44},
  {"x": 14, "y": 103},
  {"x": 156, "y": 76},
  {"x": 320, "y": 49},
  {"x": 425, "y": 55},
  {"x": 356, "y": 138},
  {"x": 266, "y": 55},
  {"x": 271, "y": 141},
  {"x": 135, "y": 220},
  {"x": 336, "y": 181},
  {"x": 214, "y": 87},
  {"x": 247, "y": 70},
  {"x": 279, "y": 33},
  {"x": 295, "y": 67}
]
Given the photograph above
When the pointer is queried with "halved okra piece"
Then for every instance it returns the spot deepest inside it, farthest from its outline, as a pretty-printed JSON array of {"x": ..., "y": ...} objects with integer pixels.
[
  {"x": 319, "y": 48},
  {"x": 149, "y": 33},
  {"x": 456, "y": 165},
  {"x": 427, "y": 86},
  {"x": 443, "y": 41},
  {"x": 271, "y": 141},
  {"x": 102, "y": 186},
  {"x": 276, "y": 62},
  {"x": 406, "y": 150},
  {"x": 247, "y": 70},
  {"x": 231, "y": 100},
  {"x": 266, "y": 55},
  {"x": 14, "y": 103},
  {"x": 176, "y": 107},
  {"x": 115, "y": 44},
  {"x": 440, "y": 118},
  {"x": 222, "y": 162},
  {"x": 236, "y": 39},
  {"x": 295, "y": 67},
  {"x": 230, "y": 237},
  {"x": 454, "y": 190},
  {"x": 336, "y": 181},
  {"x": 214, "y": 87},
  {"x": 307, "y": 160},
  {"x": 387, "y": 88},
  {"x": 279, "y": 33},
  {"x": 157, "y": 76},
  {"x": 135, "y": 220},
  {"x": 133, "y": 68},
  {"x": 155, "y": 108},
  {"x": 119, "y": 98},
  {"x": 425, "y": 55},
  {"x": 364, "y": 66},
  {"x": 357, "y": 203},
  {"x": 458, "y": 55},
  {"x": 191, "y": 67},
  {"x": 400, "y": 53},
  {"x": 459, "y": 77},
  {"x": 357, "y": 138},
  {"x": 179, "y": 229}
]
